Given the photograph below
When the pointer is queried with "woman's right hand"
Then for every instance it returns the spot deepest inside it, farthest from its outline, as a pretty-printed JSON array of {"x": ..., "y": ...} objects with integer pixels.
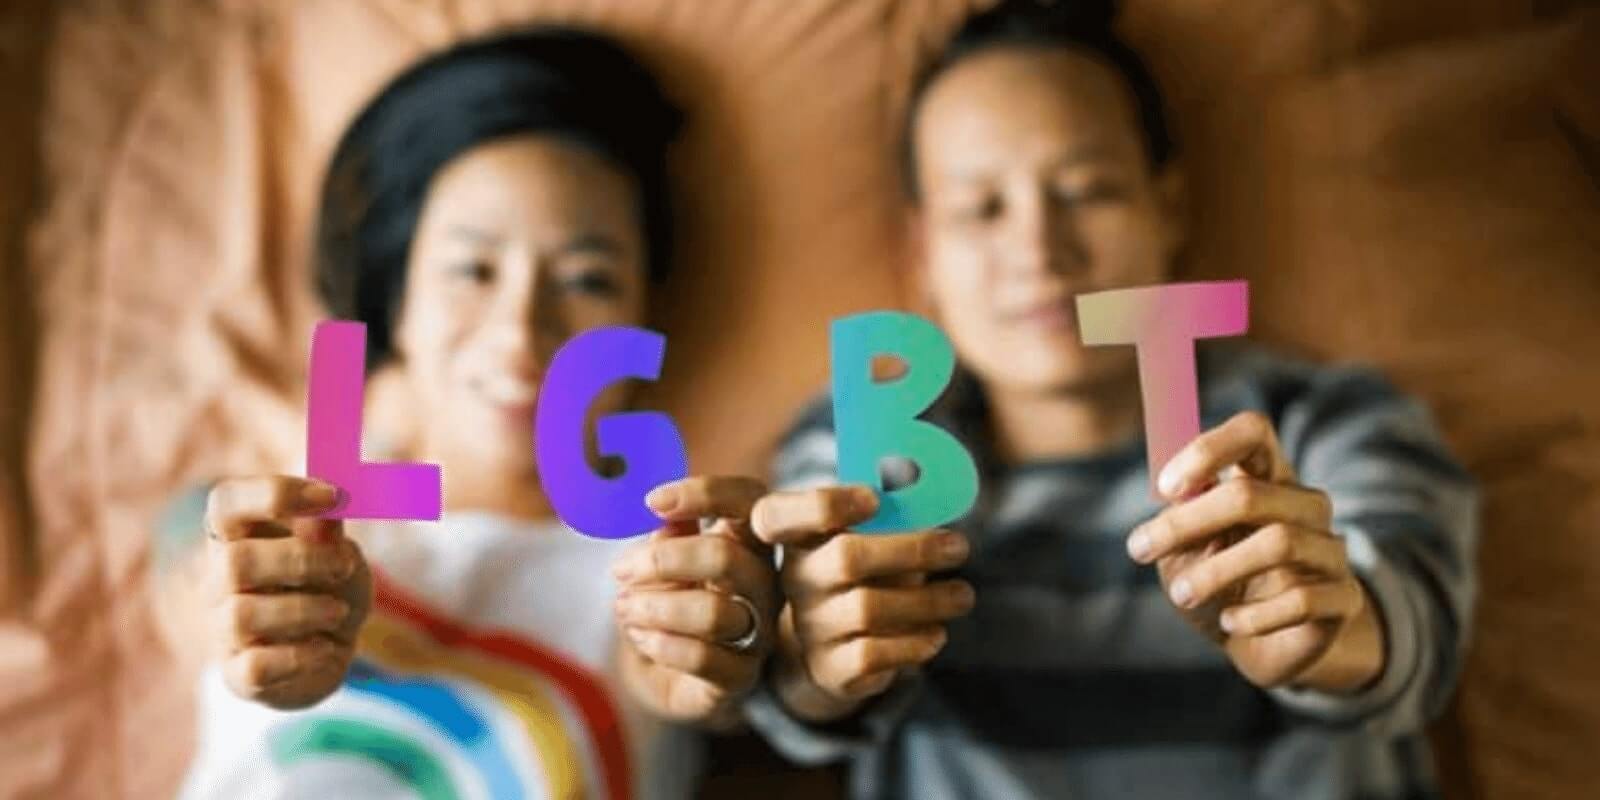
[
  {"x": 860, "y": 609},
  {"x": 287, "y": 591}
]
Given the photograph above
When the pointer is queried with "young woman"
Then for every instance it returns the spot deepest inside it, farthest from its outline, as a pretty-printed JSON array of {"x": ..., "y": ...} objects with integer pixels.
[
  {"x": 491, "y": 203},
  {"x": 1286, "y": 631}
]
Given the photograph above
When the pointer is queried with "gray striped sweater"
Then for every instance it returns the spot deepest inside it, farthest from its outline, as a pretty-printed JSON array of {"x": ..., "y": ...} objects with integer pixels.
[{"x": 1074, "y": 677}]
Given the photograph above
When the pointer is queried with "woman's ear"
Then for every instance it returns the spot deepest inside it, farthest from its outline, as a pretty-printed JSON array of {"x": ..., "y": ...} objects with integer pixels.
[{"x": 1172, "y": 195}]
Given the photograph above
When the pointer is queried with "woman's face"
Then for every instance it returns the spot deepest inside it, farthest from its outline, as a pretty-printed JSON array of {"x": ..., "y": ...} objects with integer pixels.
[
  {"x": 522, "y": 244},
  {"x": 1035, "y": 187}
]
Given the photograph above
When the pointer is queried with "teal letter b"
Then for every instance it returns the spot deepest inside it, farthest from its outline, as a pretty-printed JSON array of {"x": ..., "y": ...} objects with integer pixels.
[{"x": 876, "y": 420}]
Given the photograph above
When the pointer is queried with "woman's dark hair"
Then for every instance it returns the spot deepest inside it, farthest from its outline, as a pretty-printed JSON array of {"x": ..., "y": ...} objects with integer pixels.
[
  {"x": 572, "y": 84},
  {"x": 1084, "y": 26}
]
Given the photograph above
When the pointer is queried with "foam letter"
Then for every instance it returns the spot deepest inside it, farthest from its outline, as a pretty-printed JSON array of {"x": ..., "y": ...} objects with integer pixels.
[
  {"x": 648, "y": 441},
  {"x": 873, "y": 420},
  {"x": 1163, "y": 322},
  {"x": 333, "y": 435}
]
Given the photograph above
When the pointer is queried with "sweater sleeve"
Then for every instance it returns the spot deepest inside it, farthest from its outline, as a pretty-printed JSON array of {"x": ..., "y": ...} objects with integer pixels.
[{"x": 1409, "y": 514}]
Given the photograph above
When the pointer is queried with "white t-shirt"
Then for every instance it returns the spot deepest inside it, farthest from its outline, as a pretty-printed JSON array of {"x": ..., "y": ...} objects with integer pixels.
[{"x": 484, "y": 671}]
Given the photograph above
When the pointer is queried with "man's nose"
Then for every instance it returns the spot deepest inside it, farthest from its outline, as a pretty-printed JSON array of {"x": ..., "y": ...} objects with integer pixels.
[{"x": 1041, "y": 237}]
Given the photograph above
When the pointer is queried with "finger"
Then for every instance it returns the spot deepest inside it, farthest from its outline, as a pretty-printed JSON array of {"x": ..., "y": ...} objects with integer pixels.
[
  {"x": 1237, "y": 501},
  {"x": 235, "y": 507},
  {"x": 698, "y": 613},
  {"x": 1246, "y": 440},
  {"x": 287, "y": 676},
  {"x": 691, "y": 558},
  {"x": 711, "y": 662},
  {"x": 1298, "y": 605},
  {"x": 855, "y": 668},
  {"x": 253, "y": 565},
  {"x": 874, "y": 611},
  {"x": 808, "y": 516},
  {"x": 702, "y": 496},
  {"x": 1269, "y": 547},
  {"x": 251, "y": 619},
  {"x": 850, "y": 558}
]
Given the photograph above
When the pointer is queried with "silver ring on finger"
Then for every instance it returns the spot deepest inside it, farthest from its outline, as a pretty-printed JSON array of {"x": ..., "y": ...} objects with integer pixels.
[{"x": 747, "y": 642}]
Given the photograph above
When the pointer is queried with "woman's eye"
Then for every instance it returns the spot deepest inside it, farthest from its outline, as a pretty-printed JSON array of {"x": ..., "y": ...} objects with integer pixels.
[{"x": 478, "y": 273}]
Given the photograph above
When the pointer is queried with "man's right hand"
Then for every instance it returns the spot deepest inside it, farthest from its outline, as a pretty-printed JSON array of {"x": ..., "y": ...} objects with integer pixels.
[
  {"x": 859, "y": 607},
  {"x": 287, "y": 591}
]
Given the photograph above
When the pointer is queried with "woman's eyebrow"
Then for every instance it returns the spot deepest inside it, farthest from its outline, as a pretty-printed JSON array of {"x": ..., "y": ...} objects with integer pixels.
[{"x": 475, "y": 235}]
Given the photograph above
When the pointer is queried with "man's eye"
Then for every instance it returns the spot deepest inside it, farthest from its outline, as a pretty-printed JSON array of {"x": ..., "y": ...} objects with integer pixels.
[
  {"x": 593, "y": 282},
  {"x": 475, "y": 272},
  {"x": 985, "y": 209},
  {"x": 1089, "y": 193}
]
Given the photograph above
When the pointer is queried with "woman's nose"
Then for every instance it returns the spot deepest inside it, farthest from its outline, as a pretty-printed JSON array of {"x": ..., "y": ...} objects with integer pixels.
[{"x": 528, "y": 331}]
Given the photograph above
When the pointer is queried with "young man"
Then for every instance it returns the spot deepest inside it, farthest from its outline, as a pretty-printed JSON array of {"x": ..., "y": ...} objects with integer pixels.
[{"x": 1282, "y": 623}]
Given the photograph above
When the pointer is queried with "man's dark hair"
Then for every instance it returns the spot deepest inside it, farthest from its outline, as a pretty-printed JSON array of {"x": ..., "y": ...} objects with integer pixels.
[
  {"x": 568, "y": 83},
  {"x": 1084, "y": 27}
]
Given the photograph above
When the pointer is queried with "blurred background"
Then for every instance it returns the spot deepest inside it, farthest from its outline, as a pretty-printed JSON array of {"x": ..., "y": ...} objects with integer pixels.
[{"x": 1412, "y": 184}]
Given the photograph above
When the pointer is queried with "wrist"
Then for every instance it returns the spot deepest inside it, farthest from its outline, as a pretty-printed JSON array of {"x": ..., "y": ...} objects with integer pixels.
[
  {"x": 803, "y": 697},
  {"x": 1357, "y": 656}
]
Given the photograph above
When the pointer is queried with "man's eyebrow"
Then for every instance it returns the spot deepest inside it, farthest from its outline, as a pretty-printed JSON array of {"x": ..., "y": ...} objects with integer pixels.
[
  {"x": 1081, "y": 155},
  {"x": 594, "y": 243}
]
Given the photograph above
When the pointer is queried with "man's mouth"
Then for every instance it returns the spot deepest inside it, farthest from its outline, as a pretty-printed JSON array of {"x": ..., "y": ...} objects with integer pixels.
[{"x": 1053, "y": 316}]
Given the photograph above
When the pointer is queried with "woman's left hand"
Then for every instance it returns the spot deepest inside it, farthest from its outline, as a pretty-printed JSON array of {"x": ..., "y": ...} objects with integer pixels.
[
  {"x": 1252, "y": 561},
  {"x": 697, "y": 607}
]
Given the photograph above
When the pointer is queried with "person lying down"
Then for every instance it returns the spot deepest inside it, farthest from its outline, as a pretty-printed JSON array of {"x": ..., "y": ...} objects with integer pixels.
[{"x": 490, "y": 203}]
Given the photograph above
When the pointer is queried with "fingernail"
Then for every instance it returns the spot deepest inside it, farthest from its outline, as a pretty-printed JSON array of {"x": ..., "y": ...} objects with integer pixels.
[
  {"x": 662, "y": 499},
  {"x": 953, "y": 548},
  {"x": 317, "y": 494},
  {"x": 1226, "y": 621},
  {"x": 336, "y": 611},
  {"x": 1139, "y": 545},
  {"x": 963, "y": 595},
  {"x": 1169, "y": 483},
  {"x": 635, "y": 635},
  {"x": 1181, "y": 592},
  {"x": 625, "y": 606}
]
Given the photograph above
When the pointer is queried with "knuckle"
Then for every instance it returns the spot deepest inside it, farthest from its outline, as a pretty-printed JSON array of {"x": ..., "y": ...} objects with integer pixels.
[
  {"x": 278, "y": 494},
  {"x": 237, "y": 614},
  {"x": 926, "y": 550},
  {"x": 1279, "y": 542},
  {"x": 1300, "y": 602},
  {"x": 859, "y": 610},
  {"x": 720, "y": 554},
  {"x": 864, "y": 656},
  {"x": 836, "y": 508},
  {"x": 238, "y": 565},
  {"x": 851, "y": 552},
  {"x": 1254, "y": 423},
  {"x": 694, "y": 655},
  {"x": 1324, "y": 505},
  {"x": 1243, "y": 495}
]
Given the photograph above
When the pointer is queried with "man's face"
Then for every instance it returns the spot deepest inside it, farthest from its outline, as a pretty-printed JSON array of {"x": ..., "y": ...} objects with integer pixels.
[{"x": 1035, "y": 187}]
